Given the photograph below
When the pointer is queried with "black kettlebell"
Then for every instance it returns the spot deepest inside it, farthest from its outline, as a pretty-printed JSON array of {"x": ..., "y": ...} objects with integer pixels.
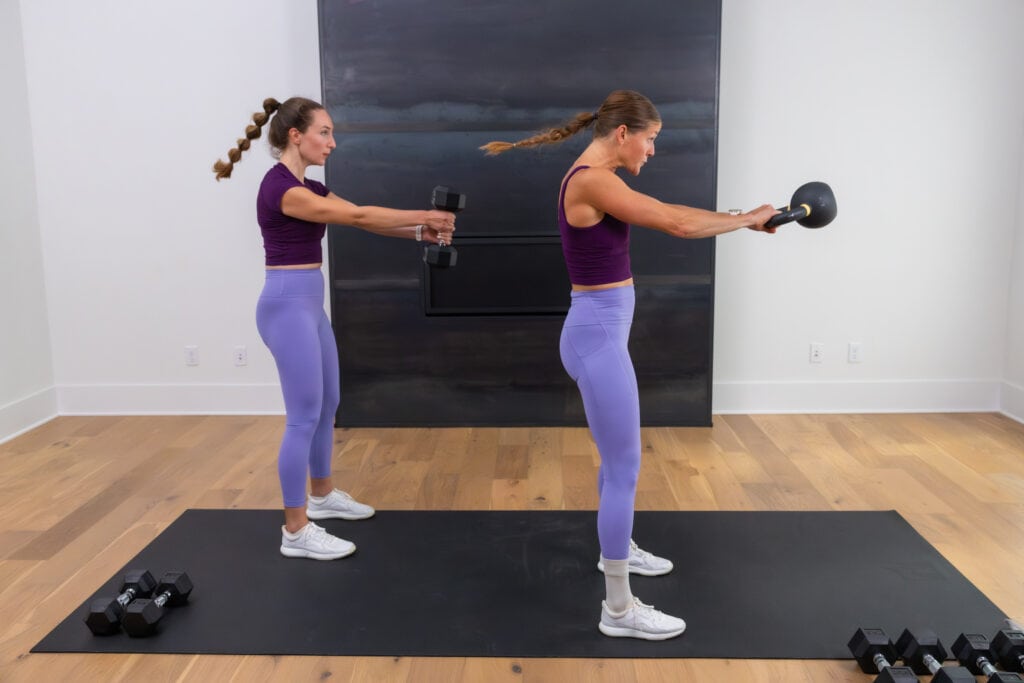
[
  {"x": 813, "y": 206},
  {"x": 443, "y": 255}
]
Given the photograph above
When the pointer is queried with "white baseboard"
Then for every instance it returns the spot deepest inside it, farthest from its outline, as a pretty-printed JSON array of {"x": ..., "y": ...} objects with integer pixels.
[
  {"x": 1012, "y": 403},
  {"x": 729, "y": 398},
  {"x": 170, "y": 399},
  {"x": 27, "y": 413},
  {"x": 884, "y": 396}
]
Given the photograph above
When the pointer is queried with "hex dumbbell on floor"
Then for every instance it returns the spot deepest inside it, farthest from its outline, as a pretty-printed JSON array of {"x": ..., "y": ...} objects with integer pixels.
[
  {"x": 922, "y": 651},
  {"x": 1008, "y": 647},
  {"x": 875, "y": 652},
  {"x": 105, "y": 613},
  {"x": 443, "y": 255},
  {"x": 142, "y": 616},
  {"x": 974, "y": 651}
]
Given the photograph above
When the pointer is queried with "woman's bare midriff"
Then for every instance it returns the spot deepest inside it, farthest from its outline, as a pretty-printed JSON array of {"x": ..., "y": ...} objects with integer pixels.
[
  {"x": 300, "y": 266},
  {"x": 607, "y": 285}
]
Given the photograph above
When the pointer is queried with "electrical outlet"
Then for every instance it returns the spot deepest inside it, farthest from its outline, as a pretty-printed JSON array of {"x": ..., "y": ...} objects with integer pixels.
[
  {"x": 855, "y": 353},
  {"x": 191, "y": 355},
  {"x": 817, "y": 352},
  {"x": 240, "y": 356}
]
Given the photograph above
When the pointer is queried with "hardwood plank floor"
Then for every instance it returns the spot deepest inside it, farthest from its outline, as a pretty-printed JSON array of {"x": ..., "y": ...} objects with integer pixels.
[{"x": 79, "y": 496}]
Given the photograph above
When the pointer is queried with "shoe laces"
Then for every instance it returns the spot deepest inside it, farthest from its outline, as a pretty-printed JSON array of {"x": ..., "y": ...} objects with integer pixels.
[
  {"x": 647, "y": 613},
  {"x": 639, "y": 552},
  {"x": 316, "y": 533}
]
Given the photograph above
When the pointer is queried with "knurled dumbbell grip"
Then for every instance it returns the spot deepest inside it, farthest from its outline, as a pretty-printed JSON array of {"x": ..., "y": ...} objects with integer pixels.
[
  {"x": 126, "y": 597},
  {"x": 985, "y": 666},
  {"x": 933, "y": 664},
  {"x": 162, "y": 599}
]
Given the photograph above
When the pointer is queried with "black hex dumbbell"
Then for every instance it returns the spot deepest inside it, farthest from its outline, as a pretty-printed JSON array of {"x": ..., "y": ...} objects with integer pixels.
[
  {"x": 1008, "y": 647},
  {"x": 444, "y": 255},
  {"x": 105, "y": 614},
  {"x": 924, "y": 653},
  {"x": 142, "y": 616},
  {"x": 975, "y": 652},
  {"x": 874, "y": 652}
]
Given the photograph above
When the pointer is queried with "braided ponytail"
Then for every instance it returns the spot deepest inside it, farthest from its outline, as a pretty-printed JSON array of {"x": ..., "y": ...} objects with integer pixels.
[
  {"x": 252, "y": 131},
  {"x": 622, "y": 107},
  {"x": 549, "y": 137}
]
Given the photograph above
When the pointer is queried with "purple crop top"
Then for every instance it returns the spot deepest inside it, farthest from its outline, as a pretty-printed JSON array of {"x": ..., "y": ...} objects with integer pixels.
[
  {"x": 287, "y": 241},
  {"x": 595, "y": 254}
]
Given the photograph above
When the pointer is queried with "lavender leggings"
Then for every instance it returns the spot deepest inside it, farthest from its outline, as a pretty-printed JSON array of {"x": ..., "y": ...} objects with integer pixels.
[
  {"x": 291, "y": 320},
  {"x": 595, "y": 354}
]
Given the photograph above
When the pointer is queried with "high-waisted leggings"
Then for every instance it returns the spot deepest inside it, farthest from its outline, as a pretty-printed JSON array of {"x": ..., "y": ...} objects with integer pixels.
[
  {"x": 291, "y": 320},
  {"x": 595, "y": 354}
]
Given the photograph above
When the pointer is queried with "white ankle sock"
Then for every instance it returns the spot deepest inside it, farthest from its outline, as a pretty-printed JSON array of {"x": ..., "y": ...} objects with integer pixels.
[
  {"x": 616, "y": 585},
  {"x": 293, "y": 536}
]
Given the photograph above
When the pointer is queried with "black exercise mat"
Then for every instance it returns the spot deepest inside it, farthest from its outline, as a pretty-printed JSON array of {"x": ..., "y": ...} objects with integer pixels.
[{"x": 775, "y": 585}]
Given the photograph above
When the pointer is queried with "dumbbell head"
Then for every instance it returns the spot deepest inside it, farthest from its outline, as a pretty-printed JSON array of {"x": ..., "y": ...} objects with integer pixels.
[
  {"x": 1008, "y": 647},
  {"x": 897, "y": 674},
  {"x": 448, "y": 199},
  {"x": 440, "y": 256},
  {"x": 142, "y": 616},
  {"x": 915, "y": 647},
  {"x": 970, "y": 649},
  {"x": 105, "y": 614},
  {"x": 868, "y": 642},
  {"x": 177, "y": 586},
  {"x": 953, "y": 674}
]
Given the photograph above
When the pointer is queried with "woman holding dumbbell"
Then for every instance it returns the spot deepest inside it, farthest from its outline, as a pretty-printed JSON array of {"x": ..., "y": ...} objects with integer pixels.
[
  {"x": 595, "y": 210},
  {"x": 292, "y": 212}
]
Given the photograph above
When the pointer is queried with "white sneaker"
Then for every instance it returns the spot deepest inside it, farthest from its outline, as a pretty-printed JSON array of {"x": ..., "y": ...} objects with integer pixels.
[
  {"x": 643, "y": 562},
  {"x": 314, "y": 542},
  {"x": 337, "y": 505},
  {"x": 640, "y": 621}
]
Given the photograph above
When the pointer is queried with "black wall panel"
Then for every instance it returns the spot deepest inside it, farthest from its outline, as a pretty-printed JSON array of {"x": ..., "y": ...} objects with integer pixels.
[{"x": 414, "y": 89}]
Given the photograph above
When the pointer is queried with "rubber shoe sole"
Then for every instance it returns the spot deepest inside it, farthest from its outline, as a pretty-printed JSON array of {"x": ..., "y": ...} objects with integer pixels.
[
  {"x": 638, "y": 570},
  {"x": 335, "y": 514},
  {"x": 622, "y": 632},
  {"x": 303, "y": 552}
]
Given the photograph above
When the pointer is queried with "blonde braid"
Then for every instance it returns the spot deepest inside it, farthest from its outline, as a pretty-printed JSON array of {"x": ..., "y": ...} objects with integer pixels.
[{"x": 548, "y": 137}]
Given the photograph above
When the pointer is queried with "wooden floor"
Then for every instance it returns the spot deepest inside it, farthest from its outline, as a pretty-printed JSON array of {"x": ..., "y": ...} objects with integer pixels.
[{"x": 79, "y": 497}]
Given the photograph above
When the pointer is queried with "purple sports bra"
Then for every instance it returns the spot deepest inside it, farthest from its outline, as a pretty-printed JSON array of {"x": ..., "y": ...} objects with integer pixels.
[{"x": 595, "y": 254}]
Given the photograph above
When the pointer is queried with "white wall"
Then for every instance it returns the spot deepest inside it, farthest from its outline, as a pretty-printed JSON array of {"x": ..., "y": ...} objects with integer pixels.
[
  {"x": 911, "y": 109},
  {"x": 27, "y": 392},
  {"x": 1013, "y": 387},
  {"x": 131, "y": 104}
]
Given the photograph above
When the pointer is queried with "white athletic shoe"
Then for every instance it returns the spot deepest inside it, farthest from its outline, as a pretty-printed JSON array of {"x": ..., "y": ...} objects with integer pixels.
[
  {"x": 314, "y": 542},
  {"x": 337, "y": 505},
  {"x": 640, "y": 621},
  {"x": 643, "y": 562}
]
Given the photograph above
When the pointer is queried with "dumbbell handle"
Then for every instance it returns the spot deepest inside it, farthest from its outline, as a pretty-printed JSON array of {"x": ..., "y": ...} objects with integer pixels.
[
  {"x": 128, "y": 595},
  {"x": 933, "y": 664},
  {"x": 788, "y": 215},
  {"x": 162, "y": 599},
  {"x": 881, "y": 663},
  {"x": 985, "y": 666}
]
